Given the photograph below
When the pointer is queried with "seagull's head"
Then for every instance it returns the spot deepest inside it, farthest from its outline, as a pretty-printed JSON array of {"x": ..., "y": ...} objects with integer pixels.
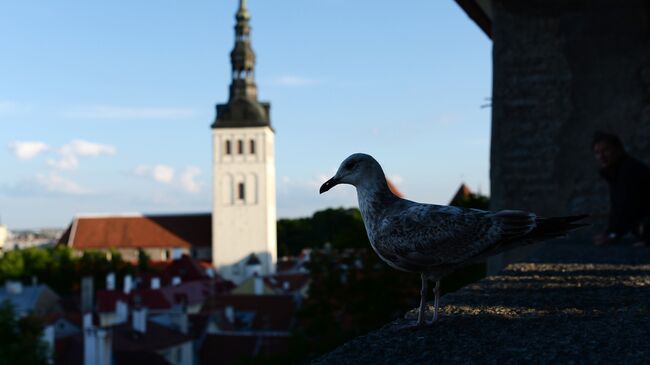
[{"x": 355, "y": 170}]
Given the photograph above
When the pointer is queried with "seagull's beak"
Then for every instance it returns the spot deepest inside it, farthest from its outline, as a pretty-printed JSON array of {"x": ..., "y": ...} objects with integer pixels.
[{"x": 329, "y": 184}]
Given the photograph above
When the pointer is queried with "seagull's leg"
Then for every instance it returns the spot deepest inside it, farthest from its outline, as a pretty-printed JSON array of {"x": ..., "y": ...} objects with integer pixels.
[
  {"x": 423, "y": 300},
  {"x": 436, "y": 301}
]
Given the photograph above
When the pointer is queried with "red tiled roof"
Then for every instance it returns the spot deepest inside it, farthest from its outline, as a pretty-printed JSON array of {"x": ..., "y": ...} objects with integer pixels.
[
  {"x": 193, "y": 292},
  {"x": 150, "y": 298},
  {"x": 272, "y": 312},
  {"x": 167, "y": 231},
  {"x": 186, "y": 268},
  {"x": 463, "y": 192},
  {"x": 107, "y": 299}
]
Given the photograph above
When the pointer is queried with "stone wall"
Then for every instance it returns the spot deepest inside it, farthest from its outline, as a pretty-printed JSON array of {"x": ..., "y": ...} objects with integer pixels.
[{"x": 562, "y": 70}]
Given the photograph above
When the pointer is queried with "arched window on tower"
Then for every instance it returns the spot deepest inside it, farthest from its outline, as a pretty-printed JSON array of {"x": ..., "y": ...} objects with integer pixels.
[
  {"x": 252, "y": 146},
  {"x": 241, "y": 191},
  {"x": 240, "y": 147},
  {"x": 228, "y": 147}
]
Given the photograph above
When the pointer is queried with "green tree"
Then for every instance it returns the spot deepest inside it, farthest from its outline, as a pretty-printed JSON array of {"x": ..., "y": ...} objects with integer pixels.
[
  {"x": 12, "y": 265},
  {"x": 473, "y": 200},
  {"x": 144, "y": 261},
  {"x": 338, "y": 228},
  {"x": 20, "y": 339}
]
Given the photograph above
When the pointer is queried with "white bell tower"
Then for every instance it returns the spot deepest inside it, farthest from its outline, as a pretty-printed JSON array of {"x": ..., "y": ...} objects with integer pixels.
[{"x": 244, "y": 210}]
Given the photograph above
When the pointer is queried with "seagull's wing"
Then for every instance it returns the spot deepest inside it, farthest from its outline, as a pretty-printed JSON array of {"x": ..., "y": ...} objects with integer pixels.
[{"x": 423, "y": 235}]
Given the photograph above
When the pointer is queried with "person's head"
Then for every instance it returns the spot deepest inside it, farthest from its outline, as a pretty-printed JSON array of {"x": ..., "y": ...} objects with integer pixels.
[{"x": 608, "y": 148}]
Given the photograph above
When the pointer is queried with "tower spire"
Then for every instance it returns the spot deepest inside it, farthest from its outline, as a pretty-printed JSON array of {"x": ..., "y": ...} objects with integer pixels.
[
  {"x": 242, "y": 108},
  {"x": 242, "y": 57}
]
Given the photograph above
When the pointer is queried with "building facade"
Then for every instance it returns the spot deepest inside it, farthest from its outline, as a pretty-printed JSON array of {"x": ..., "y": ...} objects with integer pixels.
[{"x": 244, "y": 209}]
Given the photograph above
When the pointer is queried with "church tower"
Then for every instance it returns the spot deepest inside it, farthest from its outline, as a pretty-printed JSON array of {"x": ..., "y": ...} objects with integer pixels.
[{"x": 243, "y": 211}]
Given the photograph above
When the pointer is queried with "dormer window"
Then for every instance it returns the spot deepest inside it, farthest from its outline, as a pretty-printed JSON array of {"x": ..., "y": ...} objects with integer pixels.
[
  {"x": 228, "y": 148},
  {"x": 252, "y": 146},
  {"x": 240, "y": 147}
]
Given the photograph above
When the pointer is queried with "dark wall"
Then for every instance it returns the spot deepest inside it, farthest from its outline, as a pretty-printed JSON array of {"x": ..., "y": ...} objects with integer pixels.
[
  {"x": 560, "y": 73},
  {"x": 562, "y": 70}
]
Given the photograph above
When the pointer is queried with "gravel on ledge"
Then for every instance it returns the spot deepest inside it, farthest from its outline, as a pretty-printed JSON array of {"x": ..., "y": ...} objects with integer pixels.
[{"x": 568, "y": 303}]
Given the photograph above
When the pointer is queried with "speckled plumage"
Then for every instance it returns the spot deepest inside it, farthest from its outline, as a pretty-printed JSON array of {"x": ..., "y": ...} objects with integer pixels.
[{"x": 432, "y": 239}]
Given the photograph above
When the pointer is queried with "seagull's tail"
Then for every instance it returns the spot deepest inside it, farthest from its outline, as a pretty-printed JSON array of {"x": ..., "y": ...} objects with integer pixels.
[{"x": 554, "y": 227}]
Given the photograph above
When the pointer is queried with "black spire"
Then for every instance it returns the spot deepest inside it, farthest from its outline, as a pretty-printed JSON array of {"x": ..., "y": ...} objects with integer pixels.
[{"x": 242, "y": 109}]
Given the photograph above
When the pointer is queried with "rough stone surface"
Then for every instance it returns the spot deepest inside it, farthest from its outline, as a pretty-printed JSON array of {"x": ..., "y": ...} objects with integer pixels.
[{"x": 568, "y": 304}]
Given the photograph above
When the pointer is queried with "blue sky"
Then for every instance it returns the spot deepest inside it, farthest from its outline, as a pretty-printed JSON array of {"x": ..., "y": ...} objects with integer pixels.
[{"x": 106, "y": 106}]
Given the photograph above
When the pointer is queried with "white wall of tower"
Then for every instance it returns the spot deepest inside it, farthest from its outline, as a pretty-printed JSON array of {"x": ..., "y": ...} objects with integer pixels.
[{"x": 244, "y": 207}]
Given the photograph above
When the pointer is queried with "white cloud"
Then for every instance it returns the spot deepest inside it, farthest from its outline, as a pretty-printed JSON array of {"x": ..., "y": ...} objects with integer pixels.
[
  {"x": 84, "y": 148},
  {"x": 69, "y": 154},
  {"x": 160, "y": 173},
  {"x": 293, "y": 80},
  {"x": 118, "y": 112},
  {"x": 26, "y": 150},
  {"x": 188, "y": 179},
  {"x": 163, "y": 174},
  {"x": 64, "y": 162},
  {"x": 58, "y": 184}
]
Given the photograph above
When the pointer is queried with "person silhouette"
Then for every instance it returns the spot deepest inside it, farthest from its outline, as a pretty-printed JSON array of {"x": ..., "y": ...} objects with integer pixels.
[{"x": 629, "y": 190}]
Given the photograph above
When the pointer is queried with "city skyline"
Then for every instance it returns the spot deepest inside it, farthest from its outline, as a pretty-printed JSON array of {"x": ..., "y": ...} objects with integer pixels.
[{"x": 116, "y": 118}]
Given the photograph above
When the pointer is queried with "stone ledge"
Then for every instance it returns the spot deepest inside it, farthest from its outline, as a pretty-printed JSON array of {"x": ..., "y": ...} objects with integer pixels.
[{"x": 569, "y": 303}]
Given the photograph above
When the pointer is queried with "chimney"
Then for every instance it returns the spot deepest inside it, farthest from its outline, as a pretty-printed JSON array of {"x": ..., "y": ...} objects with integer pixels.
[
  {"x": 97, "y": 344},
  {"x": 128, "y": 284},
  {"x": 110, "y": 281},
  {"x": 87, "y": 293},
  {"x": 155, "y": 282},
  {"x": 104, "y": 351},
  {"x": 176, "y": 280},
  {"x": 121, "y": 312},
  {"x": 88, "y": 321},
  {"x": 13, "y": 287},
  {"x": 140, "y": 320},
  {"x": 90, "y": 341},
  {"x": 229, "y": 312},
  {"x": 259, "y": 285},
  {"x": 48, "y": 338}
]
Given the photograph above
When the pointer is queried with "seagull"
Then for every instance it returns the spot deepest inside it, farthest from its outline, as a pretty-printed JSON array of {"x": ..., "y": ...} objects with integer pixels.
[{"x": 435, "y": 240}]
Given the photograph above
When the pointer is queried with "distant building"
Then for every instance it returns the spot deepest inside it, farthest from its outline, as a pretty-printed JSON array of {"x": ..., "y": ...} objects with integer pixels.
[
  {"x": 4, "y": 233},
  {"x": 462, "y": 193},
  {"x": 244, "y": 208},
  {"x": 240, "y": 326},
  {"x": 35, "y": 300},
  {"x": 162, "y": 237}
]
